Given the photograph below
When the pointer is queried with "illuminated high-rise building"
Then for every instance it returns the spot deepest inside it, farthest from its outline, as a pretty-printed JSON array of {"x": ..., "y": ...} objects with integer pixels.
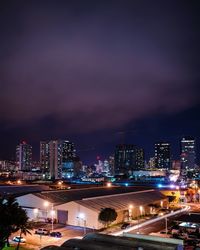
[
  {"x": 162, "y": 155},
  {"x": 188, "y": 154},
  {"x": 44, "y": 156},
  {"x": 128, "y": 158},
  {"x": 24, "y": 156},
  {"x": 56, "y": 158}
]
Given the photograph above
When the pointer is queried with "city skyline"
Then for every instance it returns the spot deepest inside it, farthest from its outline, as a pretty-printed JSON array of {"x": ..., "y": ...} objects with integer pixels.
[{"x": 99, "y": 74}]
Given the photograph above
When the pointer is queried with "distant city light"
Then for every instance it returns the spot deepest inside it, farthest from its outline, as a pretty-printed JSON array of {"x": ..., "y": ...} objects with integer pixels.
[
  {"x": 126, "y": 184},
  {"x": 108, "y": 184},
  {"x": 19, "y": 182},
  {"x": 160, "y": 185}
]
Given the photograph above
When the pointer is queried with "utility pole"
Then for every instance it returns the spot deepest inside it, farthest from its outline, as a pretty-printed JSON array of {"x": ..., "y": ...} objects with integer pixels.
[{"x": 166, "y": 225}]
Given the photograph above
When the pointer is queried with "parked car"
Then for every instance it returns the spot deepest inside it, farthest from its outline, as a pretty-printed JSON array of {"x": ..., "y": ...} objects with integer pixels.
[
  {"x": 19, "y": 239},
  {"x": 56, "y": 234},
  {"x": 42, "y": 231},
  {"x": 125, "y": 225}
]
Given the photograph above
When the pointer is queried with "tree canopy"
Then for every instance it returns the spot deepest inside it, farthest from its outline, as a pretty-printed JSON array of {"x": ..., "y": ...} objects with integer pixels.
[
  {"x": 12, "y": 219},
  {"x": 107, "y": 215}
]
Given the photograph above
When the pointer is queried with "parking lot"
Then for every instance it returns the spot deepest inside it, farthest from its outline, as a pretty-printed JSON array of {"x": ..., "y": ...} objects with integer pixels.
[{"x": 36, "y": 241}]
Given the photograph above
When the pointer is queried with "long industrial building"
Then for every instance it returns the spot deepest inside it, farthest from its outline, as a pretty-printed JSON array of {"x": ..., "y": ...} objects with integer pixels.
[{"x": 82, "y": 207}]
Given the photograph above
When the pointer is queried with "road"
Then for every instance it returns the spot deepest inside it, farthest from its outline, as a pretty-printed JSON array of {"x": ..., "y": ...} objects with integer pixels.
[
  {"x": 35, "y": 241},
  {"x": 156, "y": 226}
]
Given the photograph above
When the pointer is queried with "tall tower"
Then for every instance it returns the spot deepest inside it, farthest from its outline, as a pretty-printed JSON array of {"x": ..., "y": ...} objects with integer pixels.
[
  {"x": 188, "y": 154},
  {"x": 56, "y": 158},
  {"x": 24, "y": 156},
  {"x": 44, "y": 157},
  {"x": 162, "y": 155},
  {"x": 128, "y": 158}
]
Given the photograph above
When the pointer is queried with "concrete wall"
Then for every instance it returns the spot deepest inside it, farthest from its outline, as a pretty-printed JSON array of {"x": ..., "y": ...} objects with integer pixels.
[
  {"x": 75, "y": 211},
  {"x": 35, "y": 208}
]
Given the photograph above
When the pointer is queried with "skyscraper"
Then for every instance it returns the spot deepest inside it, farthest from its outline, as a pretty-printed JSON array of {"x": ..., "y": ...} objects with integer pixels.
[
  {"x": 24, "y": 156},
  {"x": 162, "y": 155},
  {"x": 188, "y": 154},
  {"x": 44, "y": 156},
  {"x": 56, "y": 158},
  {"x": 128, "y": 158}
]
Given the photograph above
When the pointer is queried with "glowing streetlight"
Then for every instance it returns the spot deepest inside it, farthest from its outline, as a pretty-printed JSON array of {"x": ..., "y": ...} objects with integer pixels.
[
  {"x": 130, "y": 211},
  {"x": 52, "y": 217},
  {"x": 141, "y": 210},
  {"x": 82, "y": 217},
  {"x": 60, "y": 184},
  {"x": 46, "y": 204},
  {"x": 19, "y": 182},
  {"x": 109, "y": 184}
]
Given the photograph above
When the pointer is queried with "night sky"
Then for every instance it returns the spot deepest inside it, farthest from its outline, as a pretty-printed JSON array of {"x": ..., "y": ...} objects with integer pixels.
[{"x": 99, "y": 73}]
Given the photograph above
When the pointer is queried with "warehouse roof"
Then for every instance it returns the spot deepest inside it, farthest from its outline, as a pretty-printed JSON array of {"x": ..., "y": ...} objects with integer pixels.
[
  {"x": 122, "y": 201},
  {"x": 191, "y": 217},
  {"x": 60, "y": 197},
  {"x": 22, "y": 189}
]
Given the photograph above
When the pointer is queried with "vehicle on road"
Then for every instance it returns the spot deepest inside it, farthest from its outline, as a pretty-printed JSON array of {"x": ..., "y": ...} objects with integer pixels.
[
  {"x": 56, "y": 234},
  {"x": 125, "y": 225},
  {"x": 19, "y": 239},
  {"x": 42, "y": 231}
]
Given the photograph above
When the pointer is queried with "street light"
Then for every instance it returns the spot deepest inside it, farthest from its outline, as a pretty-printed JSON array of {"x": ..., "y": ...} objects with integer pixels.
[
  {"x": 19, "y": 182},
  {"x": 52, "y": 217},
  {"x": 141, "y": 209},
  {"x": 52, "y": 212},
  {"x": 166, "y": 225},
  {"x": 130, "y": 212},
  {"x": 82, "y": 217},
  {"x": 60, "y": 184},
  {"x": 109, "y": 184},
  {"x": 46, "y": 204}
]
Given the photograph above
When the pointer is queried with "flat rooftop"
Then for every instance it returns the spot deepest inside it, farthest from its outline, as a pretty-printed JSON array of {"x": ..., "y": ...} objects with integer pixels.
[
  {"x": 191, "y": 217},
  {"x": 64, "y": 196},
  {"x": 17, "y": 190}
]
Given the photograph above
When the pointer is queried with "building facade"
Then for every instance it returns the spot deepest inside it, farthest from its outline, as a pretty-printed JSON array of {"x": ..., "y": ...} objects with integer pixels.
[
  {"x": 24, "y": 156},
  {"x": 188, "y": 155},
  {"x": 57, "y": 159},
  {"x": 128, "y": 158},
  {"x": 162, "y": 155}
]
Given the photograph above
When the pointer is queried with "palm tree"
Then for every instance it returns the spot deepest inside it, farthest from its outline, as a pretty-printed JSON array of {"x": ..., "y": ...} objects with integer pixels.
[
  {"x": 24, "y": 229},
  {"x": 12, "y": 219}
]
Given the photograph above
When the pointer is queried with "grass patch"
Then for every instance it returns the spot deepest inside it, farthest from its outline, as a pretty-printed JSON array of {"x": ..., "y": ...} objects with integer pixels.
[{"x": 14, "y": 247}]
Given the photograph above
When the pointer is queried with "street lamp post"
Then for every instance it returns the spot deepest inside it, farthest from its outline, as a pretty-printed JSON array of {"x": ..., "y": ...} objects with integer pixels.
[
  {"x": 82, "y": 217},
  {"x": 141, "y": 209},
  {"x": 52, "y": 216},
  {"x": 166, "y": 225},
  {"x": 46, "y": 204},
  {"x": 130, "y": 212}
]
